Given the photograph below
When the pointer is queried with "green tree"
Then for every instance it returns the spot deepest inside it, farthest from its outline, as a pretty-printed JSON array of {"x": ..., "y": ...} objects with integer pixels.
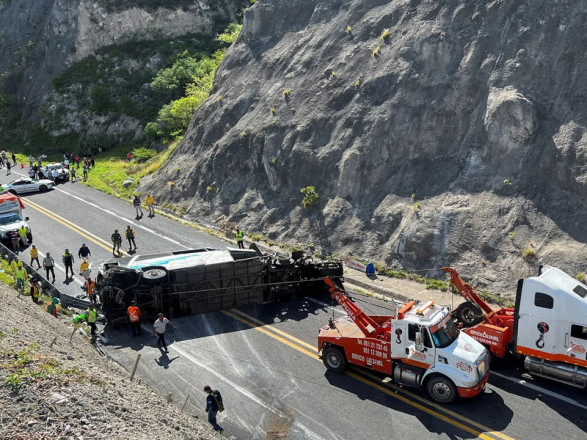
[
  {"x": 310, "y": 196},
  {"x": 101, "y": 100}
]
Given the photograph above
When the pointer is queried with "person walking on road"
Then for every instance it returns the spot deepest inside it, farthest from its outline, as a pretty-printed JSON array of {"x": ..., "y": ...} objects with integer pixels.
[
  {"x": 137, "y": 204},
  {"x": 14, "y": 158},
  {"x": 134, "y": 316},
  {"x": 68, "y": 261},
  {"x": 91, "y": 316},
  {"x": 239, "y": 239},
  {"x": 49, "y": 265},
  {"x": 213, "y": 405},
  {"x": 149, "y": 202},
  {"x": 35, "y": 256},
  {"x": 8, "y": 167},
  {"x": 130, "y": 236},
  {"x": 159, "y": 328},
  {"x": 84, "y": 251},
  {"x": 72, "y": 174},
  {"x": 35, "y": 292},
  {"x": 15, "y": 239},
  {"x": 116, "y": 242}
]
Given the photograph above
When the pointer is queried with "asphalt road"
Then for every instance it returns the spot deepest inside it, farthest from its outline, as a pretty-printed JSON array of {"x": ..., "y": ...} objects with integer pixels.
[{"x": 264, "y": 360}]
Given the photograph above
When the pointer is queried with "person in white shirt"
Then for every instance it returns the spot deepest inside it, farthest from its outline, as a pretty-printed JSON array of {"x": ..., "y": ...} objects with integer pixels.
[{"x": 159, "y": 328}]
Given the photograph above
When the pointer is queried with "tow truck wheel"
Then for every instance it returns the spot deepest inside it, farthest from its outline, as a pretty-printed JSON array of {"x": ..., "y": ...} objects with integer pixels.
[
  {"x": 469, "y": 314},
  {"x": 334, "y": 359},
  {"x": 441, "y": 389}
]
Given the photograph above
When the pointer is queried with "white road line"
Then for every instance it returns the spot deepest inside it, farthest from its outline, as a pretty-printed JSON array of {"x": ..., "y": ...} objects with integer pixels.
[
  {"x": 233, "y": 385},
  {"x": 128, "y": 221},
  {"x": 540, "y": 390},
  {"x": 61, "y": 268}
]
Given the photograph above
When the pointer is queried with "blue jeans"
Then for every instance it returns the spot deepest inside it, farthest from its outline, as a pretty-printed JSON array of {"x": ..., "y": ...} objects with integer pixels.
[
  {"x": 212, "y": 420},
  {"x": 19, "y": 283}
]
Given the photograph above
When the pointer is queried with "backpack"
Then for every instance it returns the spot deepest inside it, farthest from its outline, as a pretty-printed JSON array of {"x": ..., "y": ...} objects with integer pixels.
[{"x": 218, "y": 399}]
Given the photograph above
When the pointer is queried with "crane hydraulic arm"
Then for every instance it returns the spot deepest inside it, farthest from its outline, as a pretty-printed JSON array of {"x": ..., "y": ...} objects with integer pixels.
[
  {"x": 467, "y": 290},
  {"x": 367, "y": 324}
]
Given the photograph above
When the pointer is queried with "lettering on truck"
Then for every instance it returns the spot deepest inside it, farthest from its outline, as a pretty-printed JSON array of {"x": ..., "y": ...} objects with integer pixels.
[{"x": 484, "y": 337}]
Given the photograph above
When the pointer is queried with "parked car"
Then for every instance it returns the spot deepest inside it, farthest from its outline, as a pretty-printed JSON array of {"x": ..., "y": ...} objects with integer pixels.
[
  {"x": 27, "y": 185},
  {"x": 56, "y": 172}
]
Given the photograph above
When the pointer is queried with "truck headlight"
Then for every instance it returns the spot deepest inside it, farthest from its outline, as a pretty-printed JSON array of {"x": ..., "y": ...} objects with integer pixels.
[{"x": 482, "y": 366}]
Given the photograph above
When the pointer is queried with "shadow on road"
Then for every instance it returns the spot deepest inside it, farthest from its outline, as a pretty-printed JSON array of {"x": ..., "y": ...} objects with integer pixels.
[{"x": 488, "y": 408}]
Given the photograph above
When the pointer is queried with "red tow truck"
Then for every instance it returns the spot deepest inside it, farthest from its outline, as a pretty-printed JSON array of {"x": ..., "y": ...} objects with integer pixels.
[
  {"x": 419, "y": 347},
  {"x": 548, "y": 325}
]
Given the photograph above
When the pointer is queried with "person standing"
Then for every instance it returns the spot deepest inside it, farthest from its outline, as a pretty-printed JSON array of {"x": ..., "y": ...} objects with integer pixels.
[
  {"x": 130, "y": 236},
  {"x": 31, "y": 161},
  {"x": 239, "y": 239},
  {"x": 84, "y": 268},
  {"x": 85, "y": 172},
  {"x": 84, "y": 251},
  {"x": 137, "y": 204},
  {"x": 159, "y": 328},
  {"x": 68, "y": 261},
  {"x": 134, "y": 316},
  {"x": 91, "y": 316},
  {"x": 35, "y": 292},
  {"x": 21, "y": 276},
  {"x": 76, "y": 161},
  {"x": 22, "y": 232},
  {"x": 14, "y": 158},
  {"x": 35, "y": 256},
  {"x": 213, "y": 405},
  {"x": 8, "y": 167},
  {"x": 116, "y": 242},
  {"x": 49, "y": 264},
  {"x": 15, "y": 238},
  {"x": 91, "y": 289},
  {"x": 72, "y": 174},
  {"x": 92, "y": 163},
  {"x": 149, "y": 201}
]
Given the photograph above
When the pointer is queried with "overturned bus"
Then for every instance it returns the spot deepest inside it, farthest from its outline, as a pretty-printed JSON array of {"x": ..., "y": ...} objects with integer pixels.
[{"x": 206, "y": 280}]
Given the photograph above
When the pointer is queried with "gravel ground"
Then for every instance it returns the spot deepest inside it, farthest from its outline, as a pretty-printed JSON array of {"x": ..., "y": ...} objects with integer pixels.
[{"x": 68, "y": 391}]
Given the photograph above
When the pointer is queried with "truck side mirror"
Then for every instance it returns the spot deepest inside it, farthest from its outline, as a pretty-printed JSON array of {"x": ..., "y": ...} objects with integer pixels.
[
  {"x": 26, "y": 219},
  {"x": 419, "y": 346}
]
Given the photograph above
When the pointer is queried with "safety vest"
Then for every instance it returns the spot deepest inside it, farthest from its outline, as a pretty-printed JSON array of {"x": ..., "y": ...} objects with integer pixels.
[
  {"x": 34, "y": 291},
  {"x": 84, "y": 266},
  {"x": 20, "y": 273},
  {"x": 133, "y": 314},
  {"x": 91, "y": 287},
  {"x": 149, "y": 200},
  {"x": 22, "y": 232},
  {"x": 14, "y": 265},
  {"x": 68, "y": 258},
  {"x": 91, "y": 314},
  {"x": 34, "y": 253},
  {"x": 239, "y": 235}
]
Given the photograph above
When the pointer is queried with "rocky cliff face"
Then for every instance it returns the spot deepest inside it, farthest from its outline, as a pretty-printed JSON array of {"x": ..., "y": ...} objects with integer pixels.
[
  {"x": 435, "y": 133},
  {"x": 40, "y": 38}
]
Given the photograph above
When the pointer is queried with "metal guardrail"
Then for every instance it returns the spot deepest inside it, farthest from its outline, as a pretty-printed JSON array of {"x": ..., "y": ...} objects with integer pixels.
[{"x": 46, "y": 287}]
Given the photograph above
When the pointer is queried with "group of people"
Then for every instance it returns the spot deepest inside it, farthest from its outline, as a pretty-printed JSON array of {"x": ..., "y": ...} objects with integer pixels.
[
  {"x": 116, "y": 238},
  {"x": 149, "y": 201}
]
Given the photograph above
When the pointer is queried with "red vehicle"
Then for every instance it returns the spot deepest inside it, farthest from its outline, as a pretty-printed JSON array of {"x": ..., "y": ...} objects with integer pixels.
[
  {"x": 419, "y": 347},
  {"x": 548, "y": 325}
]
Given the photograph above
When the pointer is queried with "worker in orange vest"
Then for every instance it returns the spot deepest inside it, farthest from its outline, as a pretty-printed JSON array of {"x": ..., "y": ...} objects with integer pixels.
[
  {"x": 134, "y": 316},
  {"x": 91, "y": 290}
]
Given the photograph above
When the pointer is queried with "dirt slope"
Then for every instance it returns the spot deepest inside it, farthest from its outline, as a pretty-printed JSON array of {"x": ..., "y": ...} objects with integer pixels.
[{"x": 69, "y": 391}]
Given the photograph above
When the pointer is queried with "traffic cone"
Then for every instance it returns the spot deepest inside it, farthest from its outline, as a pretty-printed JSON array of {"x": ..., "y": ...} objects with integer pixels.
[{"x": 21, "y": 166}]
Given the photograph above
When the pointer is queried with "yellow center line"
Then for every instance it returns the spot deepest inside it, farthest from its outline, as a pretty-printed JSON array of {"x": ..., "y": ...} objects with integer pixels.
[
  {"x": 268, "y": 333},
  {"x": 393, "y": 392},
  {"x": 70, "y": 225},
  {"x": 276, "y": 330},
  {"x": 438, "y": 407}
]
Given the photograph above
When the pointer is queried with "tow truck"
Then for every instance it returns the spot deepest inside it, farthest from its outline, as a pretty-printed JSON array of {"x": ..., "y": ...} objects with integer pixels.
[
  {"x": 419, "y": 346},
  {"x": 547, "y": 326}
]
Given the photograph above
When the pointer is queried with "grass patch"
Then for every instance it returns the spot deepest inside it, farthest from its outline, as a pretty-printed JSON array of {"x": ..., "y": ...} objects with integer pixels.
[
  {"x": 528, "y": 254},
  {"x": 384, "y": 35},
  {"x": 376, "y": 51},
  {"x": 582, "y": 277},
  {"x": 256, "y": 237},
  {"x": 6, "y": 274}
]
